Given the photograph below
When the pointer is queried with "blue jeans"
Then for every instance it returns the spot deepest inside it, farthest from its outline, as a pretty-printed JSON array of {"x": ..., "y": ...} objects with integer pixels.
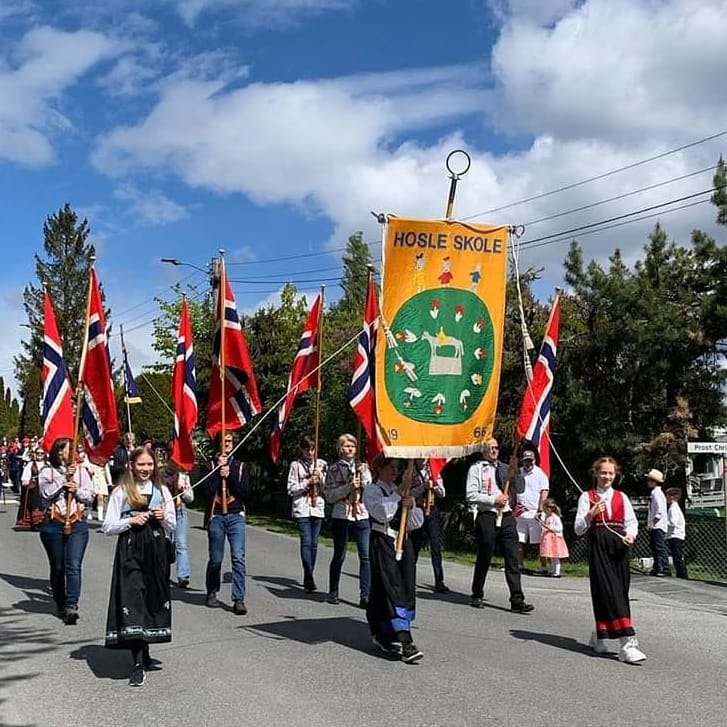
[
  {"x": 180, "y": 542},
  {"x": 309, "y": 528},
  {"x": 342, "y": 530},
  {"x": 231, "y": 526},
  {"x": 65, "y": 556},
  {"x": 657, "y": 541}
]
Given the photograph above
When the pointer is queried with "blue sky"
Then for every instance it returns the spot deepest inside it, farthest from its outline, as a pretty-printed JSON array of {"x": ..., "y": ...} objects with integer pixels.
[{"x": 271, "y": 128}]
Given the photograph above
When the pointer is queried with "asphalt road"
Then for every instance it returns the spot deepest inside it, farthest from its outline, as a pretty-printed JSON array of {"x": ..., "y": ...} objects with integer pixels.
[{"x": 295, "y": 660}]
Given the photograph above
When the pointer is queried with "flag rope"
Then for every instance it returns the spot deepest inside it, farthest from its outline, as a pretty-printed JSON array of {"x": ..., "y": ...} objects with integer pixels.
[{"x": 271, "y": 410}]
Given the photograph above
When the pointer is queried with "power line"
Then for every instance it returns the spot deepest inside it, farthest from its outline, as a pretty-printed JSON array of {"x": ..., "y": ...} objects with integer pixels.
[
  {"x": 624, "y": 168},
  {"x": 621, "y": 224},
  {"x": 527, "y": 243},
  {"x": 620, "y": 196}
]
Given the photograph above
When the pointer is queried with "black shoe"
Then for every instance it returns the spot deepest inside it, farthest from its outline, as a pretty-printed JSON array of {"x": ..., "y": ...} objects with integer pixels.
[
  {"x": 363, "y": 603},
  {"x": 440, "y": 587},
  {"x": 61, "y": 614},
  {"x": 211, "y": 601},
  {"x": 239, "y": 607},
  {"x": 410, "y": 654},
  {"x": 522, "y": 607},
  {"x": 477, "y": 602},
  {"x": 183, "y": 582},
  {"x": 333, "y": 599},
  {"x": 70, "y": 617},
  {"x": 137, "y": 677}
]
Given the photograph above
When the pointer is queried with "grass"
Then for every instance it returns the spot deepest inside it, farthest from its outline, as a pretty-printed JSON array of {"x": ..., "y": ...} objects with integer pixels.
[{"x": 288, "y": 527}]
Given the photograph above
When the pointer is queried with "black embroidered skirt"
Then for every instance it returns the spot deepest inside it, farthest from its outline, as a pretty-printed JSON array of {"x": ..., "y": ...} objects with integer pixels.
[{"x": 140, "y": 606}]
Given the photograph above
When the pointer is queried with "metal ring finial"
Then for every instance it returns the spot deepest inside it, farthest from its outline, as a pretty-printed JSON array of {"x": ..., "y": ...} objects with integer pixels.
[{"x": 448, "y": 163}]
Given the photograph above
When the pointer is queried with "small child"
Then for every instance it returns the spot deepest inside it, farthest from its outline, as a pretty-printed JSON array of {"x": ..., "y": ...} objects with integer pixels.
[
  {"x": 676, "y": 531},
  {"x": 552, "y": 542}
]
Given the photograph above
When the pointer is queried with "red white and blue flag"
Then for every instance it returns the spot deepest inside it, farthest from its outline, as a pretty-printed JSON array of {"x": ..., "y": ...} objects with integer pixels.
[
  {"x": 184, "y": 394},
  {"x": 362, "y": 393},
  {"x": 534, "y": 421},
  {"x": 303, "y": 375},
  {"x": 241, "y": 397},
  {"x": 57, "y": 412},
  {"x": 98, "y": 413}
]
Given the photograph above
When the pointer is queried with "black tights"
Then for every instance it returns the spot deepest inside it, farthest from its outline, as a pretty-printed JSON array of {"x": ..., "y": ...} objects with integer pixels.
[{"x": 139, "y": 651}]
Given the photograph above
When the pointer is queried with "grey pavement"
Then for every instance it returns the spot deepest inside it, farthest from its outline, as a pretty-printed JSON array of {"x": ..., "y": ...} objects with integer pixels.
[{"x": 296, "y": 660}]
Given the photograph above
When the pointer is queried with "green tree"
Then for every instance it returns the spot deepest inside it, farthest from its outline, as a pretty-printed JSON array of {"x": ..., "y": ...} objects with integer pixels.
[
  {"x": 153, "y": 418},
  {"x": 29, "y": 423},
  {"x": 64, "y": 269},
  {"x": 166, "y": 326}
]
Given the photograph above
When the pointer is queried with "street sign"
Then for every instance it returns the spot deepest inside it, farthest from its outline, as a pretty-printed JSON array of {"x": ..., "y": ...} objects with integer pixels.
[{"x": 707, "y": 448}]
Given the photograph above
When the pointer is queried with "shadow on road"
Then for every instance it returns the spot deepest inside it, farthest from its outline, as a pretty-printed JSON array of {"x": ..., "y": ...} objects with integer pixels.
[
  {"x": 104, "y": 663},
  {"x": 559, "y": 642},
  {"x": 343, "y": 630},
  {"x": 288, "y": 588},
  {"x": 37, "y": 591},
  {"x": 428, "y": 594}
]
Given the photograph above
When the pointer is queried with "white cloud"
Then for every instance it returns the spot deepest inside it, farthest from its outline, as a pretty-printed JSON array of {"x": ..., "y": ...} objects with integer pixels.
[
  {"x": 586, "y": 85},
  {"x": 151, "y": 207},
  {"x": 619, "y": 70},
  {"x": 32, "y": 80},
  {"x": 261, "y": 13}
]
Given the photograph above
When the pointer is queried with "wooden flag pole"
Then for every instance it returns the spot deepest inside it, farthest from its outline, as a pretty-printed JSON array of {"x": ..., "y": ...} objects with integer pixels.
[
  {"x": 79, "y": 397},
  {"x": 222, "y": 299},
  {"x": 313, "y": 491}
]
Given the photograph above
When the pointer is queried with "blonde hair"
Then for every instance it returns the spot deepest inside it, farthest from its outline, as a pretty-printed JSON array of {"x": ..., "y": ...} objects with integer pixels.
[
  {"x": 345, "y": 439},
  {"x": 551, "y": 504},
  {"x": 128, "y": 481}
]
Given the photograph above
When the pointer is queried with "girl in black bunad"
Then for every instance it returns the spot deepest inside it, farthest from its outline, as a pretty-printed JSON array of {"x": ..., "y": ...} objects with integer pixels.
[
  {"x": 392, "y": 601},
  {"x": 64, "y": 530},
  {"x": 608, "y": 517},
  {"x": 141, "y": 512}
]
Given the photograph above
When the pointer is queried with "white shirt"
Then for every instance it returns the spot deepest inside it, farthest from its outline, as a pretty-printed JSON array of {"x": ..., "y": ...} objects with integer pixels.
[
  {"x": 299, "y": 480},
  {"x": 51, "y": 482},
  {"x": 536, "y": 482},
  {"x": 382, "y": 501},
  {"x": 657, "y": 510},
  {"x": 481, "y": 488},
  {"x": 115, "y": 524},
  {"x": 677, "y": 526},
  {"x": 631, "y": 525}
]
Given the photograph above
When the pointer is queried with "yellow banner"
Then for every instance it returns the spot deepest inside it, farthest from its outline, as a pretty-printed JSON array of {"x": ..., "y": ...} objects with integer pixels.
[{"x": 438, "y": 358}]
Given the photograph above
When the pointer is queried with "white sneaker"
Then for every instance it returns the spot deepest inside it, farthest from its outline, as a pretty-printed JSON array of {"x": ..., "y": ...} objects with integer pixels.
[
  {"x": 629, "y": 653},
  {"x": 598, "y": 645}
]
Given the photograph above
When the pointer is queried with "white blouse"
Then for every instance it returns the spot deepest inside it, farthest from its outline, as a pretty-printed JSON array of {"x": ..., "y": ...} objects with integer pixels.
[
  {"x": 631, "y": 525},
  {"x": 117, "y": 520}
]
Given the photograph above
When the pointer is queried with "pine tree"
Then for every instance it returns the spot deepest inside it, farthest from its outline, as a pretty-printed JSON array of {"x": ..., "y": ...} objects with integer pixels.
[{"x": 64, "y": 270}]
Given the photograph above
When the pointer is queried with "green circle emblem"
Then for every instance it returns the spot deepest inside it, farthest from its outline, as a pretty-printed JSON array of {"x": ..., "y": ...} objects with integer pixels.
[{"x": 441, "y": 365}]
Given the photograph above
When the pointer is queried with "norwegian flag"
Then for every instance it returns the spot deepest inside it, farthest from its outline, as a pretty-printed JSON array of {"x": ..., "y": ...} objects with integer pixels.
[
  {"x": 184, "y": 394},
  {"x": 303, "y": 375},
  {"x": 98, "y": 413},
  {"x": 241, "y": 398},
  {"x": 534, "y": 420},
  {"x": 57, "y": 413},
  {"x": 362, "y": 394}
]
